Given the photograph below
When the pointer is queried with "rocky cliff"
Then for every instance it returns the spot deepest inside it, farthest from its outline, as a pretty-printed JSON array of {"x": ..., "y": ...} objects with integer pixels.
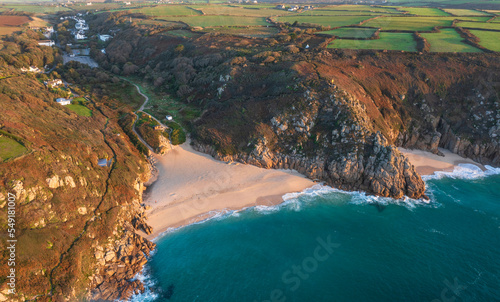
[
  {"x": 75, "y": 220},
  {"x": 328, "y": 137}
]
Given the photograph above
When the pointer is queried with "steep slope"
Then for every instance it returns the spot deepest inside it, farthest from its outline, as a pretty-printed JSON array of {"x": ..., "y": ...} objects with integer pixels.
[{"x": 68, "y": 209}]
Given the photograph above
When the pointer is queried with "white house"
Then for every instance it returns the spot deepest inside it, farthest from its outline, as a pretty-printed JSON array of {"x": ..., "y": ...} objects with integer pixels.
[
  {"x": 89, "y": 3},
  {"x": 169, "y": 117},
  {"x": 49, "y": 43},
  {"x": 80, "y": 36},
  {"x": 53, "y": 83},
  {"x": 104, "y": 38},
  {"x": 63, "y": 101}
]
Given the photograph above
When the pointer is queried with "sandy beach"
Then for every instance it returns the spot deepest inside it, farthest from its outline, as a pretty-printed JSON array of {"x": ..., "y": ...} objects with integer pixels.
[
  {"x": 426, "y": 163},
  {"x": 193, "y": 186}
]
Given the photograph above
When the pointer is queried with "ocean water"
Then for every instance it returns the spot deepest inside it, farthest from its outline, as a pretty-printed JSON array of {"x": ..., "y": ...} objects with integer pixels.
[{"x": 329, "y": 245}]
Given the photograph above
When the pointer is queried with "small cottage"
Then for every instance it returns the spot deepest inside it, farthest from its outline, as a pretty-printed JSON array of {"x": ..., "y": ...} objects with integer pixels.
[{"x": 63, "y": 101}]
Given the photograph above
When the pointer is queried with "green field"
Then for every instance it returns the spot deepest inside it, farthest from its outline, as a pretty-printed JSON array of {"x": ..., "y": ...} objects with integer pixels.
[
  {"x": 425, "y": 11},
  {"x": 325, "y": 20},
  {"x": 80, "y": 109},
  {"x": 211, "y": 21},
  {"x": 495, "y": 26},
  {"x": 409, "y": 23},
  {"x": 9, "y": 148},
  {"x": 389, "y": 41},
  {"x": 259, "y": 32},
  {"x": 465, "y": 12},
  {"x": 448, "y": 40},
  {"x": 167, "y": 10},
  {"x": 318, "y": 12},
  {"x": 37, "y": 9},
  {"x": 489, "y": 39},
  {"x": 351, "y": 32},
  {"x": 239, "y": 11},
  {"x": 363, "y": 8}
]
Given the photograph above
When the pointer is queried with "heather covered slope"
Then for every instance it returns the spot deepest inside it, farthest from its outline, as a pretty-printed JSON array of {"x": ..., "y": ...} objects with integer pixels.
[{"x": 67, "y": 206}]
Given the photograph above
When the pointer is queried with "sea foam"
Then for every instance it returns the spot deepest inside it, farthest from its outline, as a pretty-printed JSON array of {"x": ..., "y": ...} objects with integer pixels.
[{"x": 464, "y": 171}]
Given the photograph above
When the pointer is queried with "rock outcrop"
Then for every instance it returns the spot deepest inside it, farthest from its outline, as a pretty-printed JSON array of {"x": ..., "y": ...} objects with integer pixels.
[{"x": 330, "y": 138}]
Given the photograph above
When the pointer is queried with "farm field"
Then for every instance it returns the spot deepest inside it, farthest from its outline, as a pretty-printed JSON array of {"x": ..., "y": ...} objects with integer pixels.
[
  {"x": 494, "y": 26},
  {"x": 13, "y": 20},
  {"x": 319, "y": 12},
  {"x": 363, "y": 8},
  {"x": 168, "y": 10},
  {"x": 259, "y": 32},
  {"x": 212, "y": 21},
  {"x": 325, "y": 20},
  {"x": 489, "y": 39},
  {"x": 37, "y": 9},
  {"x": 389, "y": 41},
  {"x": 448, "y": 40},
  {"x": 7, "y": 30},
  {"x": 409, "y": 23},
  {"x": 9, "y": 148},
  {"x": 425, "y": 11},
  {"x": 239, "y": 11},
  {"x": 351, "y": 32},
  {"x": 465, "y": 12}
]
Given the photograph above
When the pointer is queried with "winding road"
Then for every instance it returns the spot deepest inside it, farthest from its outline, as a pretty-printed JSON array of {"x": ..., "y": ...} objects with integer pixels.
[{"x": 141, "y": 109}]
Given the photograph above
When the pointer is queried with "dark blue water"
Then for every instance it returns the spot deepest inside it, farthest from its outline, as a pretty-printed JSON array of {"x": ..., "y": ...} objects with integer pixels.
[{"x": 335, "y": 246}]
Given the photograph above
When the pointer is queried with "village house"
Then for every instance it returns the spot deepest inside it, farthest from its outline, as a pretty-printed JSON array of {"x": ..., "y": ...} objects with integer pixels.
[
  {"x": 31, "y": 69},
  {"x": 53, "y": 83},
  {"x": 104, "y": 38},
  {"x": 49, "y": 43},
  {"x": 169, "y": 117},
  {"x": 293, "y": 8},
  {"x": 280, "y": 6},
  {"x": 63, "y": 101}
]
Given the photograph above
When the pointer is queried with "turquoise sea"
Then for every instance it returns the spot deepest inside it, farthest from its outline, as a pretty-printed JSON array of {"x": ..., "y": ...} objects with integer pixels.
[{"x": 329, "y": 245}]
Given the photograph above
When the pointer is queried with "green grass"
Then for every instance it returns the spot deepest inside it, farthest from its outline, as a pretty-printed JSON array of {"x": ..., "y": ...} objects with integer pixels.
[
  {"x": 260, "y": 32},
  {"x": 425, "y": 11},
  {"x": 448, "y": 40},
  {"x": 80, "y": 109},
  {"x": 351, "y": 32},
  {"x": 409, "y": 23},
  {"x": 325, "y": 20},
  {"x": 37, "y": 9},
  {"x": 211, "y": 21},
  {"x": 465, "y": 12},
  {"x": 362, "y": 8},
  {"x": 239, "y": 11},
  {"x": 489, "y": 39},
  {"x": 495, "y": 26},
  {"x": 318, "y": 12},
  {"x": 9, "y": 148},
  {"x": 167, "y": 10},
  {"x": 389, "y": 41}
]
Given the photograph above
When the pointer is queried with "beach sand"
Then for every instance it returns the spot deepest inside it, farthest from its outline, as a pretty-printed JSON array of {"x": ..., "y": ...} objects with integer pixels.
[
  {"x": 193, "y": 186},
  {"x": 426, "y": 163}
]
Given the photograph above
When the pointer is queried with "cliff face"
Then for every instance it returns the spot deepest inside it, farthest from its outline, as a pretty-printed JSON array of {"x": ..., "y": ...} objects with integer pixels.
[
  {"x": 328, "y": 137},
  {"x": 68, "y": 208}
]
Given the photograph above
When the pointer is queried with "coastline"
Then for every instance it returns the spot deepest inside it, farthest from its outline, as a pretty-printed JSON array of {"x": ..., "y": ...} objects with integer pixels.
[
  {"x": 192, "y": 186},
  {"x": 427, "y": 163}
]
